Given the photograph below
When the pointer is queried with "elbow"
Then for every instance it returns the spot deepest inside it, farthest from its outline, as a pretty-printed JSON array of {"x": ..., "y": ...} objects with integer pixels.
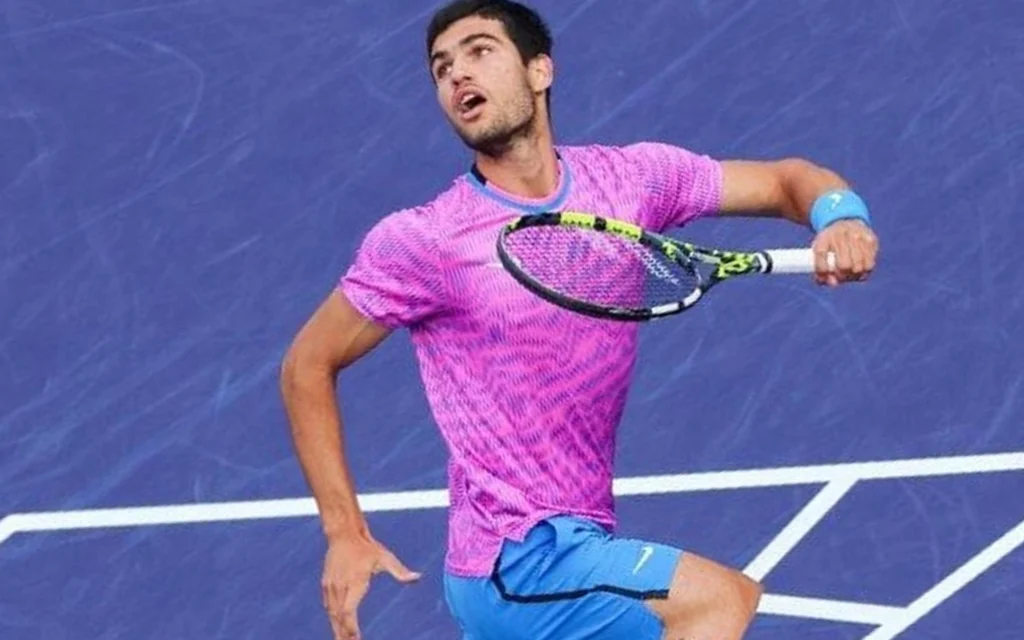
[
  {"x": 288, "y": 373},
  {"x": 304, "y": 385},
  {"x": 801, "y": 182},
  {"x": 301, "y": 367},
  {"x": 797, "y": 170},
  {"x": 795, "y": 165},
  {"x": 295, "y": 367}
]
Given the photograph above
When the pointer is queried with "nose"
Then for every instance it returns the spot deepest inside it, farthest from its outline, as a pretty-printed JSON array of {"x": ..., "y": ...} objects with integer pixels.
[{"x": 460, "y": 71}]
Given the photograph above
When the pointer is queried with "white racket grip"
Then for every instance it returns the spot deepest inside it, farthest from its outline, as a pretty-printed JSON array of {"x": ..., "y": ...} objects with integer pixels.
[{"x": 796, "y": 260}]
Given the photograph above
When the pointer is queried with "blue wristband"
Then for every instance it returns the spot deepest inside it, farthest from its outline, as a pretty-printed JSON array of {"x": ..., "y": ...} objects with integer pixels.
[{"x": 841, "y": 204}]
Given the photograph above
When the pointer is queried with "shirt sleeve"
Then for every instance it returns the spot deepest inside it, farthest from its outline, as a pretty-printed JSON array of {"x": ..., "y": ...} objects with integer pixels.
[
  {"x": 679, "y": 185},
  {"x": 396, "y": 278}
]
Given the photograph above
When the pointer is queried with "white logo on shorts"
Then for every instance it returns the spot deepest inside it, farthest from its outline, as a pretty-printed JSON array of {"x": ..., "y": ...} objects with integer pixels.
[{"x": 645, "y": 555}]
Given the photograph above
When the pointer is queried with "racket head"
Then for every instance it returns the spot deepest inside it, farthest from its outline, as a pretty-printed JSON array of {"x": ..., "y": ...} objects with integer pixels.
[{"x": 600, "y": 267}]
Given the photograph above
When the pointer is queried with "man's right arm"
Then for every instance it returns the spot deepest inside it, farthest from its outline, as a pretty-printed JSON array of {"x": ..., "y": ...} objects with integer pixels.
[
  {"x": 334, "y": 337},
  {"x": 395, "y": 281}
]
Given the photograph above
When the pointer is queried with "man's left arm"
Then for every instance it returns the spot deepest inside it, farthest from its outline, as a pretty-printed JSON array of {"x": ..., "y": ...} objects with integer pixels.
[{"x": 811, "y": 196}]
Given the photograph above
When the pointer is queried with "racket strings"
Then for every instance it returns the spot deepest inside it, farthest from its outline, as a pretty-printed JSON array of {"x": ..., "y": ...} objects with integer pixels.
[{"x": 599, "y": 268}]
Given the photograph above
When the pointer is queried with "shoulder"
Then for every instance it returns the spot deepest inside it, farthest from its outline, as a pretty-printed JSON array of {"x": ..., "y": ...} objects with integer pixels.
[
  {"x": 425, "y": 221},
  {"x": 636, "y": 154},
  {"x": 607, "y": 166},
  {"x": 641, "y": 161},
  {"x": 590, "y": 154},
  {"x": 404, "y": 226}
]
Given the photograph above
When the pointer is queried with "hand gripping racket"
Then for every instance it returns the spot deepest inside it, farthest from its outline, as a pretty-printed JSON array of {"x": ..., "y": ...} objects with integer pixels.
[{"x": 608, "y": 268}]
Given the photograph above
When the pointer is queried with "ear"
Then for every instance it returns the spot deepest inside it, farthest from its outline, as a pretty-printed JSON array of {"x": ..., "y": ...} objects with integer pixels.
[{"x": 541, "y": 72}]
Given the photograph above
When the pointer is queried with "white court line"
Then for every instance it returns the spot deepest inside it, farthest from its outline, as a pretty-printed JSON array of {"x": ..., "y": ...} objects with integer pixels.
[
  {"x": 791, "y": 476},
  {"x": 954, "y": 582},
  {"x": 438, "y": 498},
  {"x": 212, "y": 512},
  {"x": 798, "y": 528},
  {"x": 7, "y": 528},
  {"x": 838, "y": 479},
  {"x": 831, "y": 610}
]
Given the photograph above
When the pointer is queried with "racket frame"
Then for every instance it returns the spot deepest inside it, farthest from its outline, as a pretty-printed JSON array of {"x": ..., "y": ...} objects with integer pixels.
[{"x": 728, "y": 264}]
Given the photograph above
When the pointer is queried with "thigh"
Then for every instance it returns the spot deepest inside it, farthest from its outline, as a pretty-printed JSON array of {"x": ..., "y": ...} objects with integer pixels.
[
  {"x": 569, "y": 580},
  {"x": 707, "y": 601}
]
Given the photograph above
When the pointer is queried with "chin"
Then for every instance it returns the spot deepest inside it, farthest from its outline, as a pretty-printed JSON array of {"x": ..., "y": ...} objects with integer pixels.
[
  {"x": 491, "y": 145},
  {"x": 493, "y": 141},
  {"x": 484, "y": 140}
]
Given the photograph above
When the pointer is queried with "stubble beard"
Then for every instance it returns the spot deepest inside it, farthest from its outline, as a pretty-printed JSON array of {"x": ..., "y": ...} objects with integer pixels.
[{"x": 507, "y": 128}]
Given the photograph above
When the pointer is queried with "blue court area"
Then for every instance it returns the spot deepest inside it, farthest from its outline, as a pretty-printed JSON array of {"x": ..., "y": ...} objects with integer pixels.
[{"x": 181, "y": 184}]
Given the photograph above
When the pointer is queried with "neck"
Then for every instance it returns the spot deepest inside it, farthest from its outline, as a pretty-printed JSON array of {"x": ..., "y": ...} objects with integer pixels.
[{"x": 528, "y": 167}]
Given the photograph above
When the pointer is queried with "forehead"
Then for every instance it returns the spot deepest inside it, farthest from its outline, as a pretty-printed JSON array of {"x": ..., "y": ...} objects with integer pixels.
[{"x": 450, "y": 38}]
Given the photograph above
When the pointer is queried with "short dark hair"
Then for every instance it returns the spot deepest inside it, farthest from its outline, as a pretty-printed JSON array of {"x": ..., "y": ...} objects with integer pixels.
[{"x": 524, "y": 26}]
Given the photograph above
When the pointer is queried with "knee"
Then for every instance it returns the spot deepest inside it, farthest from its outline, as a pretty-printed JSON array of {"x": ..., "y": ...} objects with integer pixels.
[
  {"x": 709, "y": 601},
  {"x": 746, "y": 595},
  {"x": 738, "y": 597}
]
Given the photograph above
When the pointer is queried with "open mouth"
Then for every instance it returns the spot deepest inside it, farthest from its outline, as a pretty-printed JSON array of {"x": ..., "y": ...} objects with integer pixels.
[{"x": 470, "y": 104}]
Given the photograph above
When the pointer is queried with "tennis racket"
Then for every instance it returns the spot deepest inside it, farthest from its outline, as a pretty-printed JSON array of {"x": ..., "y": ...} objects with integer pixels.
[{"x": 608, "y": 268}]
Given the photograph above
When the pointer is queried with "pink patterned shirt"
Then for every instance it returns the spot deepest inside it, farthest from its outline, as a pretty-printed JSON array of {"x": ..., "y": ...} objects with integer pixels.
[{"x": 527, "y": 396}]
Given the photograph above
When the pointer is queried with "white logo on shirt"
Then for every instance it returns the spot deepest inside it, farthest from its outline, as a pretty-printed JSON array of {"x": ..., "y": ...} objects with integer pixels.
[{"x": 645, "y": 555}]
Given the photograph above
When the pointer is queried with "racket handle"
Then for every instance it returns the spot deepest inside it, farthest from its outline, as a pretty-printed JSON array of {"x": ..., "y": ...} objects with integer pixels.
[{"x": 795, "y": 260}]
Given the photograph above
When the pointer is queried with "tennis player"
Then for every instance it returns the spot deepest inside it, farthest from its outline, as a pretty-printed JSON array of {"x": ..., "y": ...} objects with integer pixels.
[{"x": 528, "y": 396}]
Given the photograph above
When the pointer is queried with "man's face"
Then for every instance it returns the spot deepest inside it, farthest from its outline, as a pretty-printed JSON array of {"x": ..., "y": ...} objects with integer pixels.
[{"x": 482, "y": 84}]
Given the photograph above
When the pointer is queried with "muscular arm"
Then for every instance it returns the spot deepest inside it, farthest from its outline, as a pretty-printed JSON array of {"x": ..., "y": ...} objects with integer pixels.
[
  {"x": 783, "y": 188},
  {"x": 334, "y": 337},
  {"x": 789, "y": 189}
]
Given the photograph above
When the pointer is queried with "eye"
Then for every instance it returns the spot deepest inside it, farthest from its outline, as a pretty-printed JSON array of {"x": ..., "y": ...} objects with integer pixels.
[
  {"x": 481, "y": 49},
  {"x": 442, "y": 70}
]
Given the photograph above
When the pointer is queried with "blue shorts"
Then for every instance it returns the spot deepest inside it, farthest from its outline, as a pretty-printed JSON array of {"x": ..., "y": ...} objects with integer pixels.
[{"x": 568, "y": 580}]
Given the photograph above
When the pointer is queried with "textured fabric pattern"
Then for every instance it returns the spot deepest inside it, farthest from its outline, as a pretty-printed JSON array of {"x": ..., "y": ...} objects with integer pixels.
[{"x": 527, "y": 396}]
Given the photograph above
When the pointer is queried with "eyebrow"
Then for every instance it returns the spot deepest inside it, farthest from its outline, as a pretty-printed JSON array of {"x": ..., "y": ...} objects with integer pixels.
[{"x": 437, "y": 55}]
